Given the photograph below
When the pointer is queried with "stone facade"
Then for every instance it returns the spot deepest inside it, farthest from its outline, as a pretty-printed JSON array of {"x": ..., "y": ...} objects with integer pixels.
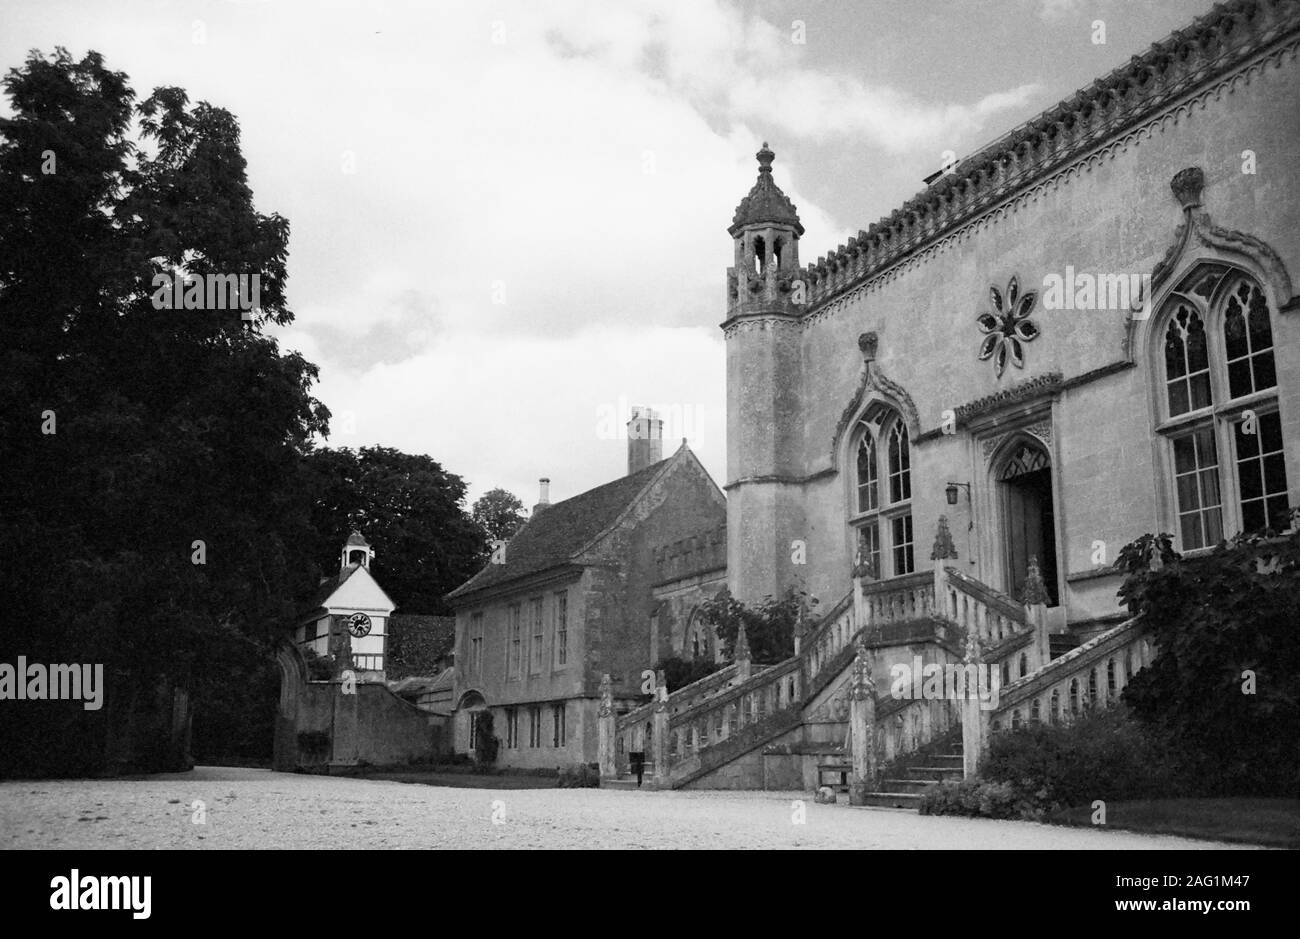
[
  {"x": 593, "y": 565},
  {"x": 1142, "y": 176},
  {"x": 692, "y": 570}
]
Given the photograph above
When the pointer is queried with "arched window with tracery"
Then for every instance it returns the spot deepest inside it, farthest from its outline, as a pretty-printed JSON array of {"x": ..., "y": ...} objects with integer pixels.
[
  {"x": 1219, "y": 408},
  {"x": 881, "y": 513}
]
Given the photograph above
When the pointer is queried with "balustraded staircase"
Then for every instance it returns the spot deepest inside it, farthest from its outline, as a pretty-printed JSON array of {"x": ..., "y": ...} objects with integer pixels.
[{"x": 789, "y": 726}]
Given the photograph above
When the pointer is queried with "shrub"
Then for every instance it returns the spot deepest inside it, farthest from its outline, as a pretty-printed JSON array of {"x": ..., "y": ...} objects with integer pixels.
[
  {"x": 1225, "y": 686},
  {"x": 579, "y": 776},
  {"x": 769, "y": 626},
  {"x": 1035, "y": 770},
  {"x": 319, "y": 667},
  {"x": 977, "y": 798},
  {"x": 679, "y": 672},
  {"x": 1100, "y": 755}
]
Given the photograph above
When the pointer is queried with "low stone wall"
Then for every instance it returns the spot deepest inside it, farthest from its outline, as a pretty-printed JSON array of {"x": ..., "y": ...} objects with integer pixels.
[{"x": 366, "y": 723}]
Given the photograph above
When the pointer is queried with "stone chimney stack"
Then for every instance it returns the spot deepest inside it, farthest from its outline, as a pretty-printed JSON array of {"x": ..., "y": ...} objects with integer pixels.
[
  {"x": 544, "y": 498},
  {"x": 645, "y": 439}
]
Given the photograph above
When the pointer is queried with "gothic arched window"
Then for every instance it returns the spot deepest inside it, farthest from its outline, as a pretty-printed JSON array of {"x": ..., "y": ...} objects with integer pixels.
[
  {"x": 1219, "y": 411},
  {"x": 882, "y": 521},
  {"x": 900, "y": 464},
  {"x": 868, "y": 475}
]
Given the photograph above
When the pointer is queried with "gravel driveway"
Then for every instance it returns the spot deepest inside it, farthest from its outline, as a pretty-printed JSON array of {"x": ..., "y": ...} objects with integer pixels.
[{"x": 252, "y": 808}]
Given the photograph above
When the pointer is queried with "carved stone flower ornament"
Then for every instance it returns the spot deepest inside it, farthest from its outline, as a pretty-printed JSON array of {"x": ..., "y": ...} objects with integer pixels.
[{"x": 1008, "y": 327}]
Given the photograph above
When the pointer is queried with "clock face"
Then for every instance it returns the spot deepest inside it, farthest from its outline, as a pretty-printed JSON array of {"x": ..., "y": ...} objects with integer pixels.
[{"x": 359, "y": 625}]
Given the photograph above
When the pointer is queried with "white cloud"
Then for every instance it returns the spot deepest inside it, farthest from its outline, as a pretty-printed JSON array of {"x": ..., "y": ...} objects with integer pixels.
[
  {"x": 588, "y": 166},
  {"x": 504, "y": 411},
  {"x": 1058, "y": 9}
]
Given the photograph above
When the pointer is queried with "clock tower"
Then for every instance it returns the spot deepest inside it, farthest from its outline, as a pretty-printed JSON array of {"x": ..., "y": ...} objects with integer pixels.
[{"x": 349, "y": 616}]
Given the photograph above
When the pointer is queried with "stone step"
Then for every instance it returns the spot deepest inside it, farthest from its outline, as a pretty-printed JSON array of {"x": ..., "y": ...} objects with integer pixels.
[
  {"x": 907, "y": 785},
  {"x": 625, "y": 783},
  {"x": 893, "y": 800},
  {"x": 936, "y": 773}
]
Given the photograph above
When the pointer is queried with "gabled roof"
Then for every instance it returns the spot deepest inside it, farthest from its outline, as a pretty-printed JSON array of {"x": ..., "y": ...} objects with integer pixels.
[
  {"x": 331, "y": 585},
  {"x": 328, "y": 586},
  {"x": 556, "y": 535}
]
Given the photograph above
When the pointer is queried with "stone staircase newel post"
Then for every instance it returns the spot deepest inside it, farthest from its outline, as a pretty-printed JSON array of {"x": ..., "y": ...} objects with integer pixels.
[
  {"x": 741, "y": 655},
  {"x": 974, "y": 719},
  {"x": 862, "y": 726},
  {"x": 662, "y": 769},
  {"x": 606, "y": 728},
  {"x": 1035, "y": 601},
  {"x": 941, "y": 552}
]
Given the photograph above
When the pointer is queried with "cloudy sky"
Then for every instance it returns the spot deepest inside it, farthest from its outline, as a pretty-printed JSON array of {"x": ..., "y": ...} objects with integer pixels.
[{"x": 509, "y": 218}]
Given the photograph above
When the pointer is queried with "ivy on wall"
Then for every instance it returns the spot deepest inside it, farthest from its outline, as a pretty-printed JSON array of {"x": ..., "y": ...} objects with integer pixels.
[{"x": 1224, "y": 689}]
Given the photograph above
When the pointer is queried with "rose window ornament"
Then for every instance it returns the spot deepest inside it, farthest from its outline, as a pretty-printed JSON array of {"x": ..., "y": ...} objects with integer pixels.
[{"x": 1008, "y": 327}]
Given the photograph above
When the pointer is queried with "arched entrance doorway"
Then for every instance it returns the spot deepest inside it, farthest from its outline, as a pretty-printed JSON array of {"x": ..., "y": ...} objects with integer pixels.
[
  {"x": 1024, "y": 482},
  {"x": 471, "y": 703}
]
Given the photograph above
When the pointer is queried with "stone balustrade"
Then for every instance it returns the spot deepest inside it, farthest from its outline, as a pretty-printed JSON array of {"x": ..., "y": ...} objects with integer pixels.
[
  {"x": 975, "y": 606},
  {"x": 825, "y": 642},
  {"x": 1092, "y": 675},
  {"x": 898, "y": 599}
]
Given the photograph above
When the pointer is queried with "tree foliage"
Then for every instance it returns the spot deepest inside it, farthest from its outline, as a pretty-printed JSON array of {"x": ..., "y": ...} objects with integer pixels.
[
  {"x": 411, "y": 511},
  {"x": 499, "y": 513},
  {"x": 680, "y": 672},
  {"x": 1225, "y": 685},
  {"x": 138, "y": 440},
  {"x": 769, "y": 626}
]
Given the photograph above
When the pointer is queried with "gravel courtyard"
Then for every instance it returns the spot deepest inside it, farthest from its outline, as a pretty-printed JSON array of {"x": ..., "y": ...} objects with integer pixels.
[{"x": 250, "y": 808}]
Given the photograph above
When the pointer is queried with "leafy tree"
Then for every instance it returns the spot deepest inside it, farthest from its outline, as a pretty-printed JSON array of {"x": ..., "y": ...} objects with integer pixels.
[
  {"x": 1224, "y": 688},
  {"x": 769, "y": 626},
  {"x": 411, "y": 511},
  {"x": 680, "y": 672},
  {"x": 499, "y": 513},
  {"x": 155, "y": 493}
]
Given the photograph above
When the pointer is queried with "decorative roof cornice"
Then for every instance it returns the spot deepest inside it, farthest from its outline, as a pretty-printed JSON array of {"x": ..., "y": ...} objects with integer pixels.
[
  {"x": 1215, "y": 44},
  {"x": 1023, "y": 391}
]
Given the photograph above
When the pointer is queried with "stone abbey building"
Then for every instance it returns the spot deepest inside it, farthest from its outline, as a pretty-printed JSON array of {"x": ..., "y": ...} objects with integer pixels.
[
  {"x": 945, "y": 431},
  {"x": 590, "y": 587},
  {"x": 947, "y": 428}
]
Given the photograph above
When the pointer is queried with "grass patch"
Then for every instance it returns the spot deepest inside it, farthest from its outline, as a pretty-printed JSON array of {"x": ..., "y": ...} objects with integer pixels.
[{"x": 1270, "y": 822}]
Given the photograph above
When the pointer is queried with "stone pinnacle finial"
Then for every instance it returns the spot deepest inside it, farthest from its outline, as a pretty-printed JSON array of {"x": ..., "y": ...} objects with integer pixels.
[
  {"x": 766, "y": 203},
  {"x": 741, "y": 652},
  {"x": 1035, "y": 591},
  {"x": 943, "y": 545}
]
